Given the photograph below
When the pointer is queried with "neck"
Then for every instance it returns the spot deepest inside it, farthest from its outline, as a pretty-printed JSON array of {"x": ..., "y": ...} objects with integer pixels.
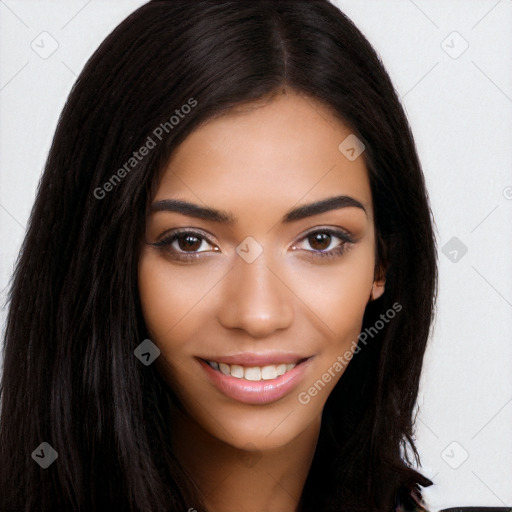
[{"x": 244, "y": 480}]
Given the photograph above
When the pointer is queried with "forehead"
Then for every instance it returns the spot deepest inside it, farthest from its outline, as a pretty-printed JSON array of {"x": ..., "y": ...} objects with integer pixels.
[{"x": 279, "y": 152}]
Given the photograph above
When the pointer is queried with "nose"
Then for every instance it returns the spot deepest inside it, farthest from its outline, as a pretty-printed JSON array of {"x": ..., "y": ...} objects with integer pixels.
[{"x": 255, "y": 298}]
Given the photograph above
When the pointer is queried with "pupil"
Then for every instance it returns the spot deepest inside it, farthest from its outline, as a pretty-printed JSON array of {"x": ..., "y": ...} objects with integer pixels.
[{"x": 320, "y": 239}]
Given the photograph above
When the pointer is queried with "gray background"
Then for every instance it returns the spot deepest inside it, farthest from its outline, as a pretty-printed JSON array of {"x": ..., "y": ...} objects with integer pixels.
[{"x": 451, "y": 64}]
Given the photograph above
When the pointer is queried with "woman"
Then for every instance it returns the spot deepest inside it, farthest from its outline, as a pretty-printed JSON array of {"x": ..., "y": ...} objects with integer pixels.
[{"x": 226, "y": 289}]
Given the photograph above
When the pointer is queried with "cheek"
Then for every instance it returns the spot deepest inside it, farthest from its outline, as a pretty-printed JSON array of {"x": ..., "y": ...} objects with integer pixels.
[
  {"x": 174, "y": 303},
  {"x": 159, "y": 297},
  {"x": 337, "y": 295},
  {"x": 339, "y": 301}
]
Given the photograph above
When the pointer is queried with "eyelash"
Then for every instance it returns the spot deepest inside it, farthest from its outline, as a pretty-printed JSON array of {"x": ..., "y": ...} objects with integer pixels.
[{"x": 338, "y": 251}]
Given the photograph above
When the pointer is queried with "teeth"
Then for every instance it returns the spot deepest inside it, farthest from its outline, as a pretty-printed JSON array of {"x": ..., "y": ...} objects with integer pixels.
[
  {"x": 269, "y": 372},
  {"x": 225, "y": 369},
  {"x": 237, "y": 371},
  {"x": 253, "y": 373},
  {"x": 281, "y": 369}
]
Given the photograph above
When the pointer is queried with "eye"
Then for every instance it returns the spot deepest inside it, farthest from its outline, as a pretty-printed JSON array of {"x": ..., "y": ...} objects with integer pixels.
[
  {"x": 326, "y": 243},
  {"x": 185, "y": 244}
]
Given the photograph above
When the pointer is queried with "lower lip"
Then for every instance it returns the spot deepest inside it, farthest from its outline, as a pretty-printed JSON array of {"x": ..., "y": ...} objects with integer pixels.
[{"x": 259, "y": 392}]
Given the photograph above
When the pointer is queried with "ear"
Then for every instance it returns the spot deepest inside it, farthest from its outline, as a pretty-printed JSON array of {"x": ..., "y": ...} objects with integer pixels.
[{"x": 379, "y": 281}]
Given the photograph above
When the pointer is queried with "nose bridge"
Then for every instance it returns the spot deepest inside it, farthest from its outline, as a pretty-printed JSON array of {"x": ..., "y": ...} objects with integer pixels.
[{"x": 255, "y": 298}]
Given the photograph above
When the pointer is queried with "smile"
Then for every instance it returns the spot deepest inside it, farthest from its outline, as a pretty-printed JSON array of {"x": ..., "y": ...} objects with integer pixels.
[{"x": 250, "y": 383}]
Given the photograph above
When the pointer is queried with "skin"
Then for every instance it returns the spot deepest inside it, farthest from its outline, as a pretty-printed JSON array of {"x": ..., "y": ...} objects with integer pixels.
[{"x": 257, "y": 163}]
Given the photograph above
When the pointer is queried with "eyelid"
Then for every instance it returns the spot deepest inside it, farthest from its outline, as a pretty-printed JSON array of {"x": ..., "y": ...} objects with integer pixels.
[
  {"x": 166, "y": 240},
  {"x": 346, "y": 241},
  {"x": 345, "y": 235},
  {"x": 330, "y": 255}
]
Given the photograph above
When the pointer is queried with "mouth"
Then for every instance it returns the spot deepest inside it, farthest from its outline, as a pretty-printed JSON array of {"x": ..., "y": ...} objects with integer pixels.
[
  {"x": 250, "y": 383},
  {"x": 254, "y": 373}
]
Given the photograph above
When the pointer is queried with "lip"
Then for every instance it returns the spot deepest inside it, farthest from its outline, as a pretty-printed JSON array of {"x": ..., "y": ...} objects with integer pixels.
[{"x": 259, "y": 392}]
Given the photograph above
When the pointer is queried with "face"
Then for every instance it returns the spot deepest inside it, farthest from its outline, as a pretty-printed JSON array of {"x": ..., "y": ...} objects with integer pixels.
[{"x": 250, "y": 295}]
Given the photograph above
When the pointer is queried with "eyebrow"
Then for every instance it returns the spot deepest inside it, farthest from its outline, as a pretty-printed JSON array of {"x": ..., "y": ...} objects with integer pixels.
[{"x": 301, "y": 212}]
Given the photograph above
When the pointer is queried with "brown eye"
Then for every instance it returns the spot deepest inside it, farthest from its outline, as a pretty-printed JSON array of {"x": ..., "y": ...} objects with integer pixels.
[
  {"x": 324, "y": 244},
  {"x": 319, "y": 241},
  {"x": 189, "y": 243},
  {"x": 185, "y": 244}
]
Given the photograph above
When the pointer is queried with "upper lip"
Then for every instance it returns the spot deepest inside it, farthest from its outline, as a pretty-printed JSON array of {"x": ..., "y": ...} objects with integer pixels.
[{"x": 248, "y": 359}]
